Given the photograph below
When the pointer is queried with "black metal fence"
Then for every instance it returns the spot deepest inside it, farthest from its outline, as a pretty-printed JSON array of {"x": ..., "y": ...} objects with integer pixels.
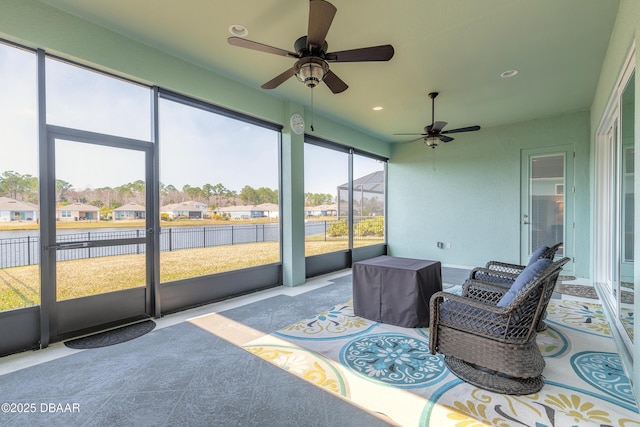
[{"x": 21, "y": 251}]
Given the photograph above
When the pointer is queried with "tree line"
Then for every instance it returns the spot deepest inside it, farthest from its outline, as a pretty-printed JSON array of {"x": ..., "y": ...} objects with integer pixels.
[{"x": 25, "y": 188}]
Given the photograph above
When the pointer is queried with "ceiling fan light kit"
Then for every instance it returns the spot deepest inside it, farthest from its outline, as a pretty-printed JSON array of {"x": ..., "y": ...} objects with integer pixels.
[
  {"x": 311, "y": 71},
  {"x": 432, "y": 141}
]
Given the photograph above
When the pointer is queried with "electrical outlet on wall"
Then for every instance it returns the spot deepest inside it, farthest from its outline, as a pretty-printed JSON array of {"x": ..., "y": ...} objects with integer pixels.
[
  {"x": 440, "y": 245},
  {"x": 448, "y": 245}
]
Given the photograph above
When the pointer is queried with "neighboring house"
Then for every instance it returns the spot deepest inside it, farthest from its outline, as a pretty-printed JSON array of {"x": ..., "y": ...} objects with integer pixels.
[
  {"x": 263, "y": 210},
  {"x": 368, "y": 195},
  {"x": 77, "y": 212},
  {"x": 321, "y": 210},
  {"x": 190, "y": 210},
  {"x": 14, "y": 210},
  {"x": 129, "y": 211}
]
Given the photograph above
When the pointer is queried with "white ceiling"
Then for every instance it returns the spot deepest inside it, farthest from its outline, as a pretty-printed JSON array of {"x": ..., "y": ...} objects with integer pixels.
[{"x": 456, "y": 47}]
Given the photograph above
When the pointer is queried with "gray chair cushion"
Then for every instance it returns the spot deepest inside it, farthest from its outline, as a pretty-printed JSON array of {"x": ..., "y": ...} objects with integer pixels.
[
  {"x": 527, "y": 275},
  {"x": 537, "y": 254}
]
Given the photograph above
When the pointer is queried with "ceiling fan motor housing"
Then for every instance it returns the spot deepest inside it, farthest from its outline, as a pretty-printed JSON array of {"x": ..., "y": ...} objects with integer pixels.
[{"x": 300, "y": 47}]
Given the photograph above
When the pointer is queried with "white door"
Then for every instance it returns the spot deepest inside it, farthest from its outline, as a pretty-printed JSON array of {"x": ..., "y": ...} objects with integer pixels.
[{"x": 547, "y": 201}]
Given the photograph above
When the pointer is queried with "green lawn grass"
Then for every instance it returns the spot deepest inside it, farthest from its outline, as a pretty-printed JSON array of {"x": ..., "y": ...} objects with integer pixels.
[{"x": 20, "y": 286}]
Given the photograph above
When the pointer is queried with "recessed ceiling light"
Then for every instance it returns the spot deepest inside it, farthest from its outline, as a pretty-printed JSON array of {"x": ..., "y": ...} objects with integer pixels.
[
  {"x": 509, "y": 73},
  {"x": 378, "y": 108},
  {"x": 238, "y": 30}
]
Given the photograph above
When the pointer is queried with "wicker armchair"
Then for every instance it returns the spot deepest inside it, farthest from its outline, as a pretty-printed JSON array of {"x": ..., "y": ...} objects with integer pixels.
[{"x": 490, "y": 346}]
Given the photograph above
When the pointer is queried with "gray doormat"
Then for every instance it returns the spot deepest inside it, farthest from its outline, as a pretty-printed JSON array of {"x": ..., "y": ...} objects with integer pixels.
[
  {"x": 589, "y": 292},
  {"x": 114, "y": 336},
  {"x": 577, "y": 290}
]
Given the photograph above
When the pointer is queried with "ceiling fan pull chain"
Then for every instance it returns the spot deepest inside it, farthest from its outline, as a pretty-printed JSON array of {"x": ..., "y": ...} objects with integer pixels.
[{"x": 312, "y": 130}]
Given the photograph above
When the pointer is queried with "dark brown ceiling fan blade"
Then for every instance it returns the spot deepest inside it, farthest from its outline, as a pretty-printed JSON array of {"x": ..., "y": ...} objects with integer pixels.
[
  {"x": 334, "y": 82},
  {"x": 437, "y": 126},
  {"x": 445, "y": 138},
  {"x": 411, "y": 140},
  {"x": 373, "y": 53},
  {"x": 417, "y": 139},
  {"x": 248, "y": 44},
  {"x": 278, "y": 80},
  {"x": 321, "y": 15},
  {"x": 467, "y": 129}
]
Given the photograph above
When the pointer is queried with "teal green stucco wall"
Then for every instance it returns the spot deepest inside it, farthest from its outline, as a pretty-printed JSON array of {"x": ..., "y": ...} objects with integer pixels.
[{"x": 467, "y": 193}]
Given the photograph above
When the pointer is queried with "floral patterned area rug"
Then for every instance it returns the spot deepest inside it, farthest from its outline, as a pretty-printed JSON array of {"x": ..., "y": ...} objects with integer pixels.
[{"x": 388, "y": 370}]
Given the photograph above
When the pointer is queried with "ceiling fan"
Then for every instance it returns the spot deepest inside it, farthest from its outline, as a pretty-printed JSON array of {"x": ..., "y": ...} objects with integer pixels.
[
  {"x": 433, "y": 132},
  {"x": 312, "y": 65}
]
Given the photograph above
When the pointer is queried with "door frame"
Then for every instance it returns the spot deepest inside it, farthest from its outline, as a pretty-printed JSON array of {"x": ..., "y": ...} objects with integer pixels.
[
  {"x": 607, "y": 221},
  {"x": 568, "y": 151},
  {"x": 61, "y": 319}
]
